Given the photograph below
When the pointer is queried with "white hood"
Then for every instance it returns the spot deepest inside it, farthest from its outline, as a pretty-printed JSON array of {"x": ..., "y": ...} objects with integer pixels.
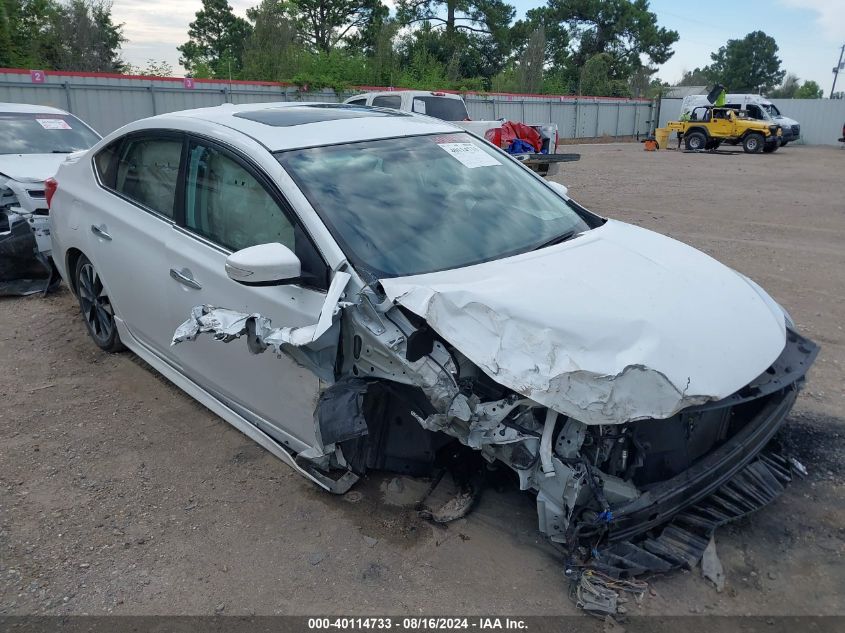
[
  {"x": 618, "y": 324},
  {"x": 30, "y": 167}
]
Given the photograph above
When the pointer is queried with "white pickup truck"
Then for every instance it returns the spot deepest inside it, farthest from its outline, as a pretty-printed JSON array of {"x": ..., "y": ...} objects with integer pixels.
[{"x": 451, "y": 107}]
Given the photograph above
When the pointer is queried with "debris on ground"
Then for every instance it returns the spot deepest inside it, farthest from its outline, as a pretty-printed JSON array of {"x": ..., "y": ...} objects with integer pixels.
[
  {"x": 601, "y": 595},
  {"x": 798, "y": 467},
  {"x": 711, "y": 566}
]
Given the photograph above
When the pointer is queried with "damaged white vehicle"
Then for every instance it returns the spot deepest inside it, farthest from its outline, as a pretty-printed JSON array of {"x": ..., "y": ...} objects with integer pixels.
[
  {"x": 391, "y": 287},
  {"x": 34, "y": 140}
]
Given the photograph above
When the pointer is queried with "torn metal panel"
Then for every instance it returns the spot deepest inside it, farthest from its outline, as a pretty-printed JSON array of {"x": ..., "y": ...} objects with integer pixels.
[
  {"x": 226, "y": 325},
  {"x": 630, "y": 335}
]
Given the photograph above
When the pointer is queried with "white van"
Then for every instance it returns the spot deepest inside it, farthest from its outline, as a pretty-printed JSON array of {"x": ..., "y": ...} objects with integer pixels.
[{"x": 754, "y": 107}]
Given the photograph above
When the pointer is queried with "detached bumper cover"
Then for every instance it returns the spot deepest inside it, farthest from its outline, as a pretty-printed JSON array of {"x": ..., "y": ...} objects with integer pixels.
[
  {"x": 777, "y": 388},
  {"x": 670, "y": 525}
]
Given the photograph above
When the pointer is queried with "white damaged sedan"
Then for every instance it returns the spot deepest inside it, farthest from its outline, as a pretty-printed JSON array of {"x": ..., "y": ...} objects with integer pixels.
[{"x": 421, "y": 293}]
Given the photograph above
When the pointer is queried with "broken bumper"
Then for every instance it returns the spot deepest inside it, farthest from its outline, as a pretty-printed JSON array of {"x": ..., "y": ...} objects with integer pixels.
[
  {"x": 664, "y": 501},
  {"x": 779, "y": 389},
  {"x": 23, "y": 268}
]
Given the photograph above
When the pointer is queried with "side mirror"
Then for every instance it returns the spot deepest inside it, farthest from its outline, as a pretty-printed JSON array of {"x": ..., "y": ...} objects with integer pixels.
[
  {"x": 559, "y": 188},
  {"x": 263, "y": 265}
]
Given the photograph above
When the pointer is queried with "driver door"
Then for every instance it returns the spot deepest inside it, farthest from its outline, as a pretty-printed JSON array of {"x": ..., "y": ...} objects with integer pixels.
[
  {"x": 722, "y": 123},
  {"x": 228, "y": 204}
]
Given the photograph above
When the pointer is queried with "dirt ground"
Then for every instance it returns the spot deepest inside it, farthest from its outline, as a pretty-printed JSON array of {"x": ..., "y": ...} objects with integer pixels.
[{"x": 119, "y": 494}]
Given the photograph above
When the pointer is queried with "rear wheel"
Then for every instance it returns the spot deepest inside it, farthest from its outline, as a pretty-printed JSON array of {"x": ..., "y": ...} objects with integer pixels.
[
  {"x": 753, "y": 143},
  {"x": 96, "y": 306},
  {"x": 695, "y": 140}
]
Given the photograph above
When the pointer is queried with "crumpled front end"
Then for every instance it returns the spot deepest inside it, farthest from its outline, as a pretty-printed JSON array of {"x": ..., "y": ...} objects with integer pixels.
[
  {"x": 402, "y": 393},
  {"x": 622, "y": 377}
]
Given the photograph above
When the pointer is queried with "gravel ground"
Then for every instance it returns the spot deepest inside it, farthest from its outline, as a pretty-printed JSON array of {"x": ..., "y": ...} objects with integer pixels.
[{"x": 119, "y": 494}]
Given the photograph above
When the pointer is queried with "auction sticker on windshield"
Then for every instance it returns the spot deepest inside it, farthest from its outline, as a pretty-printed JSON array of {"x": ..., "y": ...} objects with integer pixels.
[
  {"x": 54, "y": 124},
  {"x": 469, "y": 155}
]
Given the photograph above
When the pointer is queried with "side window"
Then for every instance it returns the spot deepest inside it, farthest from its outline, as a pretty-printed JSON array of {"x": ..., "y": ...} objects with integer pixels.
[
  {"x": 754, "y": 111},
  {"x": 148, "y": 170},
  {"x": 104, "y": 163},
  {"x": 358, "y": 101},
  {"x": 392, "y": 101},
  {"x": 226, "y": 204}
]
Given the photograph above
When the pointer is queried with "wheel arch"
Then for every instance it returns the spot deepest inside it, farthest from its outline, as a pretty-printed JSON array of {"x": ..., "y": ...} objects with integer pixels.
[
  {"x": 701, "y": 130},
  {"x": 71, "y": 259}
]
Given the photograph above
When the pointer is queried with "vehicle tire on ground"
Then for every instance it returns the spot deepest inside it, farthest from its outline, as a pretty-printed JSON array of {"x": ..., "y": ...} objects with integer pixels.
[
  {"x": 771, "y": 147},
  {"x": 783, "y": 143},
  {"x": 97, "y": 310},
  {"x": 695, "y": 140},
  {"x": 753, "y": 143}
]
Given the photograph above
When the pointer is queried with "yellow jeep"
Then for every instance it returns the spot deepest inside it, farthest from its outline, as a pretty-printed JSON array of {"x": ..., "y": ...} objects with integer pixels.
[{"x": 707, "y": 127}]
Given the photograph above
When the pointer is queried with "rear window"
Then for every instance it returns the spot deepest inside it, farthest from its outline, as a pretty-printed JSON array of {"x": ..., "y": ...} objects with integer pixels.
[
  {"x": 442, "y": 108},
  {"x": 394, "y": 102},
  {"x": 26, "y": 133}
]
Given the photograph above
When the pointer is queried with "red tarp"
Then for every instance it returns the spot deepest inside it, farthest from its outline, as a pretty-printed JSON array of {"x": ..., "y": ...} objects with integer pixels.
[{"x": 510, "y": 130}]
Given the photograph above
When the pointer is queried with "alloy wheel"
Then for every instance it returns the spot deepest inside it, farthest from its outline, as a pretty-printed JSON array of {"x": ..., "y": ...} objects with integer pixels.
[{"x": 96, "y": 306}]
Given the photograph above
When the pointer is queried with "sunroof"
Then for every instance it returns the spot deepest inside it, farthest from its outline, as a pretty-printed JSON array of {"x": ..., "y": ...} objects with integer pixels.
[{"x": 314, "y": 113}]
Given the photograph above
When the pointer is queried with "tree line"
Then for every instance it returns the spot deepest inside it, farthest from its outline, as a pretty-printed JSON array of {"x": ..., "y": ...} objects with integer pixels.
[
  {"x": 751, "y": 65},
  {"x": 72, "y": 35},
  {"x": 587, "y": 47},
  {"x": 593, "y": 47}
]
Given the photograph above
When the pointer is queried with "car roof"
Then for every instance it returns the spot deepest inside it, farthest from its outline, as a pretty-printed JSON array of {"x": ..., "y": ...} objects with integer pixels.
[
  {"x": 28, "y": 108},
  {"x": 293, "y": 125},
  {"x": 415, "y": 93}
]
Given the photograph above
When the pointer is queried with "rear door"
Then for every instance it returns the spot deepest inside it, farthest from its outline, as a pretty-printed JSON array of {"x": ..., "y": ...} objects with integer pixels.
[
  {"x": 129, "y": 224},
  {"x": 229, "y": 204}
]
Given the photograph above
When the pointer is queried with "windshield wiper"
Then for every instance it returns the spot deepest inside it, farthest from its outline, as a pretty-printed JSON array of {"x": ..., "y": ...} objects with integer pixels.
[
  {"x": 63, "y": 151},
  {"x": 558, "y": 240}
]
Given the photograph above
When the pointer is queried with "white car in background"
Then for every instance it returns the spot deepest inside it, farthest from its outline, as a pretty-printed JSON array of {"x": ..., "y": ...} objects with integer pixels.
[
  {"x": 425, "y": 293},
  {"x": 34, "y": 140},
  {"x": 451, "y": 107}
]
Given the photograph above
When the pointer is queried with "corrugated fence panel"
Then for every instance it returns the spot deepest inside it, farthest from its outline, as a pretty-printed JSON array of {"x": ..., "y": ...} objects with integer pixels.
[
  {"x": 670, "y": 110},
  {"x": 575, "y": 118},
  {"x": 821, "y": 119},
  {"x": 108, "y": 102}
]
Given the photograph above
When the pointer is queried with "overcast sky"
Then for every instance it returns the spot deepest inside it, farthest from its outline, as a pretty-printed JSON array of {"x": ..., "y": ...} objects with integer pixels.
[{"x": 808, "y": 32}]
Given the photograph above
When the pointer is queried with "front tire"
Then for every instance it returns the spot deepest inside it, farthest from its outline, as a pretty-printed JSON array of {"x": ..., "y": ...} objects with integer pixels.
[
  {"x": 753, "y": 143},
  {"x": 97, "y": 310},
  {"x": 771, "y": 147},
  {"x": 695, "y": 141}
]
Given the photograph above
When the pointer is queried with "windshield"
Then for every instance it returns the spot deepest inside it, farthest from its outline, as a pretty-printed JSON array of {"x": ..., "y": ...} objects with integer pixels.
[
  {"x": 771, "y": 108},
  {"x": 411, "y": 205},
  {"x": 24, "y": 133},
  {"x": 442, "y": 108}
]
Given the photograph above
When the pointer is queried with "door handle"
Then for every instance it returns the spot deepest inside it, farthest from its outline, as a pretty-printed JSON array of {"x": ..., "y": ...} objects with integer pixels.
[
  {"x": 100, "y": 231},
  {"x": 185, "y": 277}
]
